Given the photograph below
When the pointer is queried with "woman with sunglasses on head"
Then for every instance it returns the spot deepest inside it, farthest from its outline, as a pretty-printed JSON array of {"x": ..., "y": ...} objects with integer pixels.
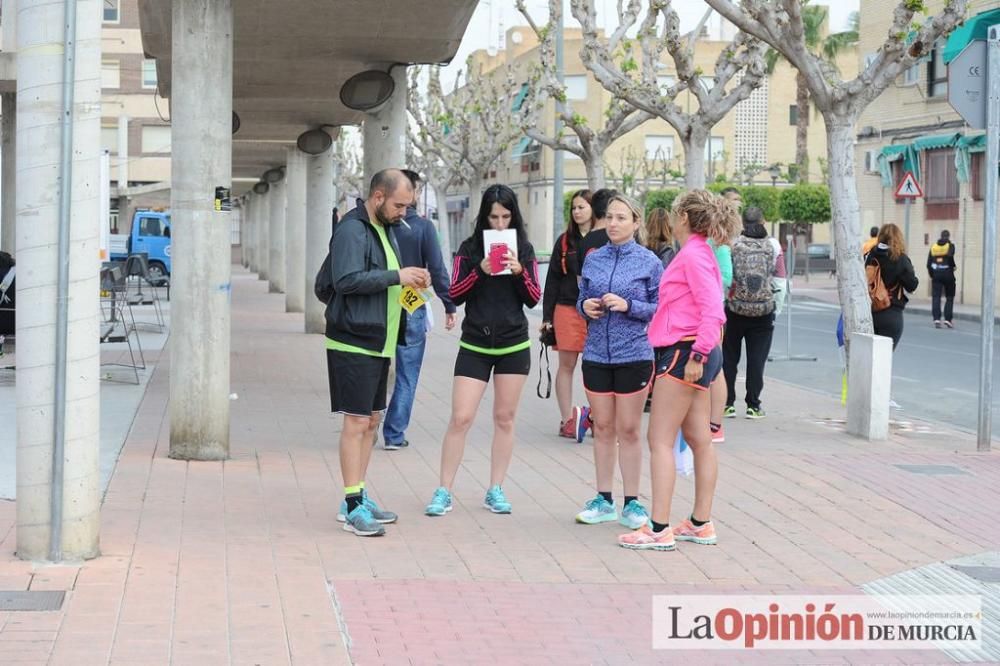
[
  {"x": 618, "y": 294},
  {"x": 685, "y": 332},
  {"x": 494, "y": 342},
  {"x": 559, "y": 314}
]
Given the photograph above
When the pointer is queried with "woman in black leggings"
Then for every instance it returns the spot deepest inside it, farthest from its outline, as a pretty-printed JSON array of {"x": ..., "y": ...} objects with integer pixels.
[{"x": 898, "y": 276}]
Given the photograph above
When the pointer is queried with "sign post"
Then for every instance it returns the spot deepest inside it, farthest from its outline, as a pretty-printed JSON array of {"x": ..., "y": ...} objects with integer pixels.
[
  {"x": 974, "y": 91},
  {"x": 908, "y": 189}
]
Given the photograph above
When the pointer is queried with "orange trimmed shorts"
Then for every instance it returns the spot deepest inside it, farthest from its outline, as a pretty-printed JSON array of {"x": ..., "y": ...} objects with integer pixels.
[{"x": 571, "y": 329}]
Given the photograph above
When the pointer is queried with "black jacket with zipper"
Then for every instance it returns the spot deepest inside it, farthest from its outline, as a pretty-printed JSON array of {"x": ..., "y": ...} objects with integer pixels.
[
  {"x": 356, "y": 315},
  {"x": 561, "y": 280},
  {"x": 494, "y": 304}
]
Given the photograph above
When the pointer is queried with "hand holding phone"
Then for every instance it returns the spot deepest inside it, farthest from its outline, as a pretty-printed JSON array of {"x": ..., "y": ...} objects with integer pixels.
[{"x": 498, "y": 258}]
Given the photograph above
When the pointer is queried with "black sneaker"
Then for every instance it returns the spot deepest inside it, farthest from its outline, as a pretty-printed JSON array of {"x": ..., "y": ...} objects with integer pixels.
[{"x": 395, "y": 446}]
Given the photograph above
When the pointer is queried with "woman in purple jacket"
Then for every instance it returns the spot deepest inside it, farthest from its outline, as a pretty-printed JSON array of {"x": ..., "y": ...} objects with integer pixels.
[{"x": 618, "y": 296}]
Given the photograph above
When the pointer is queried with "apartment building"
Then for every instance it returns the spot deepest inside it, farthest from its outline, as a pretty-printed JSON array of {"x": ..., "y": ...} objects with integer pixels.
[
  {"x": 912, "y": 127},
  {"x": 135, "y": 126},
  {"x": 757, "y": 134}
]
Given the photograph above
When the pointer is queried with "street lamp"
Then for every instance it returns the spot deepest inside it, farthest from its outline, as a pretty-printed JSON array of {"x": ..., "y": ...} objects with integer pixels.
[{"x": 775, "y": 172}]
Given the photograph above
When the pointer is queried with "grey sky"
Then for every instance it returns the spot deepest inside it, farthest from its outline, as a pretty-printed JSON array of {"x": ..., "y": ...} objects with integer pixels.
[{"x": 493, "y": 16}]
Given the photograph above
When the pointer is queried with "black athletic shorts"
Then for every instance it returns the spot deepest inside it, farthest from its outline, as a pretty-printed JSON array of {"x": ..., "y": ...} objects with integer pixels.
[
  {"x": 620, "y": 379},
  {"x": 358, "y": 382},
  {"x": 670, "y": 362},
  {"x": 479, "y": 366}
]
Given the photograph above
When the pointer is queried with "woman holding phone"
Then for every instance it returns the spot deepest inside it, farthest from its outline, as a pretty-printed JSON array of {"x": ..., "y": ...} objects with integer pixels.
[
  {"x": 618, "y": 294},
  {"x": 495, "y": 285},
  {"x": 685, "y": 332}
]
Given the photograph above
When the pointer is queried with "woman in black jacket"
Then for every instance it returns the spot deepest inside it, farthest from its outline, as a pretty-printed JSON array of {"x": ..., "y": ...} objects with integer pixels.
[
  {"x": 898, "y": 276},
  {"x": 559, "y": 312},
  {"x": 494, "y": 342}
]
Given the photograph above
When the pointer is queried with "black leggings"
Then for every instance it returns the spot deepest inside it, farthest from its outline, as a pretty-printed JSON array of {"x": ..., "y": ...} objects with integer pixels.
[{"x": 889, "y": 323}]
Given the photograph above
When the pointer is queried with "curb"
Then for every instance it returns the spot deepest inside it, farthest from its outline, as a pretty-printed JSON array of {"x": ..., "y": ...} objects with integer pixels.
[{"x": 921, "y": 308}]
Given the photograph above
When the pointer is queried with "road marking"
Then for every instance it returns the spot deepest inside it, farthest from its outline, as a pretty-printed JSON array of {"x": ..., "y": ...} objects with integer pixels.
[
  {"x": 974, "y": 394},
  {"x": 908, "y": 379}
]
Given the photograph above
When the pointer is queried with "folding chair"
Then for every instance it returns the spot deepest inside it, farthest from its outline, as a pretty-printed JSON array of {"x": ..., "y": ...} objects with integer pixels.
[
  {"x": 137, "y": 275},
  {"x": 118, "y": 321}
]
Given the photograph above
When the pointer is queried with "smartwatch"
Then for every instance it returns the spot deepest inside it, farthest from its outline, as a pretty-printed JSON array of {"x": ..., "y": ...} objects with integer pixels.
[{"x": 698, "y": 357}]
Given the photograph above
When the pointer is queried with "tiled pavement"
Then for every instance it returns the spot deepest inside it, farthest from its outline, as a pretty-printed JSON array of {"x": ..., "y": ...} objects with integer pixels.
[{"x": 244, "y": 563}]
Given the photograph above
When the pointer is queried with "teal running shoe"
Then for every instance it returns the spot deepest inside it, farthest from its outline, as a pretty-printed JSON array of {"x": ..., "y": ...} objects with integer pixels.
[
  {"x": 495, "y": 500},
  {"x": 440, "y": 503},
  {"x": 596, "y": 511},
  {"x": 634, "y": 515}
]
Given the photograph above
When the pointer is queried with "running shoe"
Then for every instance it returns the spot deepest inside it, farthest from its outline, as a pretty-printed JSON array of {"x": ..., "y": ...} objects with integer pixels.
[
  {"x": 596, "y": 511},
  {"x": 584, "y": 424},
  {"x": 361, "y": 522},
  {"x": 729, "y": 412},
  {"x": 705, "y": 535},
  {"x": 948, "y": 324},
  {"x": 645, "y": 538},
  {"x": 634, "y": 515},
  {"x": 440, "y": 503},
  {"x": 570, "y": 426},
  {"x": 383, "y": 517},
  {"x": 395, "y": 446},
  {"x": 719, "y": 436},
  {"x": 495, "y": 500},
  {"x": 755, "y": 413}
]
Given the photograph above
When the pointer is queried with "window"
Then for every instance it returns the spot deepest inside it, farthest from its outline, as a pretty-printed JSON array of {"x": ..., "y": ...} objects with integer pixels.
[
  {"x": 714, "y": 149},
  {"x": 576, "y": 87},
  {"x": 659, "y": 147},
  {"x": 911, "y": 76},
  {"x": 156, "y": 139},
  {"x": 940, "y": 185},
  {"x": 150, "y": 226},
  {"x": 665, "y": 81},
  {"x": 977, "y": 179},
  {"x": 112, "y": 11},
  {"x": 149, "y": 74},
  {"x": 937, "y": 73},
  {"x": 109, "y": 139},
  {"x": 707, "y": 82},
  {"x": 111, "y": 74}
]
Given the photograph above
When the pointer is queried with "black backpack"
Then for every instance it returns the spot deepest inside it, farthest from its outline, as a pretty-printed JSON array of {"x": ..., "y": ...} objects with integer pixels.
[{"x": 323, "y": 287}]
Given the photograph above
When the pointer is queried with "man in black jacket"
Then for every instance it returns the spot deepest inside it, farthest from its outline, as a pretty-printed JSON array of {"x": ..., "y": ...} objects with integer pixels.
[
  {"x": 363, "y": 321},
  {"x": 941, "y": 267}
]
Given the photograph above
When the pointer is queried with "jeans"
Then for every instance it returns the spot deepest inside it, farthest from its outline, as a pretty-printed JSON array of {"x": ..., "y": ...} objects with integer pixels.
[
  {"x": 409, "y": 357},
  {"x": 757, "y": 331},
  {"x": 944, "y": 288}
]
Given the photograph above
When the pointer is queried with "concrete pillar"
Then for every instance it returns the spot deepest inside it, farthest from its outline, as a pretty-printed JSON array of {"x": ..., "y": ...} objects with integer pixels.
[
  {"x": 8, "y": 168},
  {"x": 385, "y": 132},
  {"x": 253, "y": 204},
  {"x": 41, "y": 36},
  {"x": 295, "y": 232},
  {"x": 202, "y": 106},
  {"x": 869, "y": 381},
  {"x": 246, "y": 240},
  {"x": 319, "y": 215},
  {"x": 276, "y": 238}
]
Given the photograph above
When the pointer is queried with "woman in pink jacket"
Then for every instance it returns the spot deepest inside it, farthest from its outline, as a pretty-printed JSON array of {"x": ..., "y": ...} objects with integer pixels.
[{"x": 685, "y": 333}]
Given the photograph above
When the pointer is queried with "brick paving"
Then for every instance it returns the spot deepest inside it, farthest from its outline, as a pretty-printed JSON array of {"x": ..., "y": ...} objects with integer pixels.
[{"x": 243, "y": 562}]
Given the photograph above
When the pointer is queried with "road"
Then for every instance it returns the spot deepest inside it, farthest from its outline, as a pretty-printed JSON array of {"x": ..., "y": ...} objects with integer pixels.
[{"x": 935, "y": 371}]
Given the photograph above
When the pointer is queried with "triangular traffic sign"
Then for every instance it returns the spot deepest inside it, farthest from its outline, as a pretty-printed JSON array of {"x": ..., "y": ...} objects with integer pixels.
[{"x": 909, "y": 188}]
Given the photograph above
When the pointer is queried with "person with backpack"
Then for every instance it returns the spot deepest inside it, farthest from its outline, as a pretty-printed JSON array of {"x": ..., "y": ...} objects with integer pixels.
[
  {"x": 559, "y": 315},
  {"x": 749, "y": 312},
  {"x": 941, "y": 267},
  {"x": 890, "y": 274}
]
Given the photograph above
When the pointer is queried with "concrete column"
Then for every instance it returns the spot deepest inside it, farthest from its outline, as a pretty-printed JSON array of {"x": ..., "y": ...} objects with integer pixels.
[
  {"x": 41, "y": 36},
  {"x": 319, "y": 216},
  {"x": 202, "y": 106},
  {"x": 385, "y": 131},
  {"x": 276, "y": 238},
  {"x": 869, "y": 381},
  {"x": 295, "y": 232},
  {"x": 253, "y": 206},
  {"x": 246, "y": 234},
  {"x": 8, "y": 167}
]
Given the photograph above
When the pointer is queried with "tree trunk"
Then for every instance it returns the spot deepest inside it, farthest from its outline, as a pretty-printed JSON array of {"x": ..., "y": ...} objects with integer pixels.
[
  {"x": 443, "y": 225},
  {"x": 851, "y": 282},
  {"x": 596, "y": 179},
  {"x": 694, "y": 160},
  {"x": 475, "y": 195},
  {"x": 802, "y": 128}
]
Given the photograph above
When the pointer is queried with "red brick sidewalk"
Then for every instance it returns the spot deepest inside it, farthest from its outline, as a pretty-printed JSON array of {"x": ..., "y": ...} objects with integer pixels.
[{"x": 243, "y": 562}]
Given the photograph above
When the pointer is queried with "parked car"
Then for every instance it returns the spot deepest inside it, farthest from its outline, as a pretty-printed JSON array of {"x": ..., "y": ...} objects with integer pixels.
[{"x": 820, "y": 259}]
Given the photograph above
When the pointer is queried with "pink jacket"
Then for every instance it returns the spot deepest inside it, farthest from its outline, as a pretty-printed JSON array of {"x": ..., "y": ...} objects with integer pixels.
[{"x": 690, "y": 299}]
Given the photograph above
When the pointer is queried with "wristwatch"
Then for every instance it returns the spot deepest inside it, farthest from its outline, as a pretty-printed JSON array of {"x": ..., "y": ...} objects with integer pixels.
[{"x": 698, "y": 357}]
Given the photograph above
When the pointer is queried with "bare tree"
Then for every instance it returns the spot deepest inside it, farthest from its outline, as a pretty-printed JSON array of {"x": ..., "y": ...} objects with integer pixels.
[
  {"x": 739, "y": 69},
  {"x": 639, "y": 172},
  {"x": 348, "y": 168},
  {"x": 780, "y": 24},
  {"x": 589, "y": 143}
]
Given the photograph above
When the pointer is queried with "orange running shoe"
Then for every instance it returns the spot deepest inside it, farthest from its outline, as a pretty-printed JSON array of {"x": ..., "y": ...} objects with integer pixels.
[
  {"x": 705, "y": 535},
  {"x": 645, "y": 538}
]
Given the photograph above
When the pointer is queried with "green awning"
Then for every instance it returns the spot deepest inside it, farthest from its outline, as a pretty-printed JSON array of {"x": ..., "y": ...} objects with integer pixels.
[
  {"x": 522, "y": 146},
  {"x": 973, "y": 143},
  {"x": 974, "y": 28},
  {"x": 895, "y": 152},
  {"x": 936, "y": 141},
  {"x": 521, "y": 95}
]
